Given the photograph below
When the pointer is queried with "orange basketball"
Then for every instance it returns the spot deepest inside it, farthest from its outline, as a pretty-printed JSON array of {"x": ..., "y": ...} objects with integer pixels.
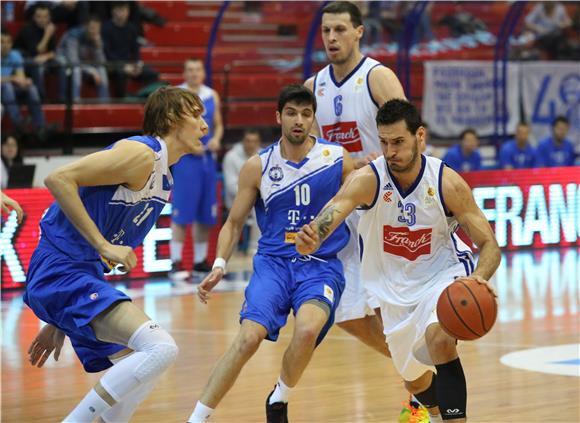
[{"x": 466, "y": 310}]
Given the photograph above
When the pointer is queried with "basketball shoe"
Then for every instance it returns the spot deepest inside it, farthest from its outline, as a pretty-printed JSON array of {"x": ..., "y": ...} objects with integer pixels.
[
  {"x": 277, "y": 412},
  {"x": 413, "y": 412}
]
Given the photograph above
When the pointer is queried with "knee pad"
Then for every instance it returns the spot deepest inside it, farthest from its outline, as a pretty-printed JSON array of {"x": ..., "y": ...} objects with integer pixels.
[{"x": 159, "y": 346}]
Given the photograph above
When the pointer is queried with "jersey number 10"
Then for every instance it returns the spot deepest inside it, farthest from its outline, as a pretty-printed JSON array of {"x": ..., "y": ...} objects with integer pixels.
[{"x": 302, "y": 193}]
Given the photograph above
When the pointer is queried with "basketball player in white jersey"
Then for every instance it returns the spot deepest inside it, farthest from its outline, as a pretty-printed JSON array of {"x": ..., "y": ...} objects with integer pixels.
[
  {"x": 412, "y": 206},
  {"x": 348, "y": 92}
]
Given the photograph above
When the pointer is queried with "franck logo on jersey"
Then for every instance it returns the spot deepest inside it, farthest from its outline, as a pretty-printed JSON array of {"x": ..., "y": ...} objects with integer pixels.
[
  {"x": 344, "y": 133},
  {"x": 406, "y": 243},
  {"x": 276, "y": 173}
]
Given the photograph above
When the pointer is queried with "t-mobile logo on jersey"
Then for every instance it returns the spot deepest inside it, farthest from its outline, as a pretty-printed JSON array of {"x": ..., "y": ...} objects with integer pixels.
[
  {"x": 344, "y": 133},
  {"x": 406, "y": 243}
]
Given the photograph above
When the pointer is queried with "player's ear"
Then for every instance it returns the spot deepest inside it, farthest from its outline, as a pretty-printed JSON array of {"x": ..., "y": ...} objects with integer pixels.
[
  {"x": 278, "y": 118},
  {"x": 360, "y": 30}
]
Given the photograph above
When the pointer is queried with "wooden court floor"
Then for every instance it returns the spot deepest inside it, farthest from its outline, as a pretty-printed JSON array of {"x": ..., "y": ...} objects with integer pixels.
[{"x": 345, "y": 382}]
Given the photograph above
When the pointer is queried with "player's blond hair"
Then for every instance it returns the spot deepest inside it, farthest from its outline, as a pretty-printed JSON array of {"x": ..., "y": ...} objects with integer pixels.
[{"x": 166, "y": 107}]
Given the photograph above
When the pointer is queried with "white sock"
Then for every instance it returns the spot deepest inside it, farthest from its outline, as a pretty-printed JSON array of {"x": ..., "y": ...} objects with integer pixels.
[
  {"x": 281, "y": 393},
  {"x": 200, "y": 413},
  {"x": 123, "y": 410},
  {"x": 91, "y": 407},
  {"x": 175, "y": 250},
  {"x": 200, "y": 251}
]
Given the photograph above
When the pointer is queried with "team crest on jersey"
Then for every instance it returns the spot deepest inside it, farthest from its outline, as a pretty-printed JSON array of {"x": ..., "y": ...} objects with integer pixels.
[
  {"x": 406, "y": 243},
  {"x": 358, "y": 85},
  {"x": 275, "y": 173},
  {"x": 429, "y": 199}
]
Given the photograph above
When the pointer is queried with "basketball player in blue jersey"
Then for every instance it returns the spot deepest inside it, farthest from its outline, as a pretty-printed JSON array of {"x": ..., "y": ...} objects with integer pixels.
[
  {"x": 194, "y": 198},
  {"x": 287, "y": 183},
  {"x": 411, "y": 207},
  {"x": 106, "y": 203}
]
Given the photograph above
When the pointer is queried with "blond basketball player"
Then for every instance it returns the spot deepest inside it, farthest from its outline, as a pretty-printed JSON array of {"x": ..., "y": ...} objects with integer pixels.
[{"x": 412, "y": 207}]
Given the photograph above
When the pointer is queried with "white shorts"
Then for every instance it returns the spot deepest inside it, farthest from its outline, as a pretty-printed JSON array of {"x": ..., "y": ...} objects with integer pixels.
[
  {"x": 405, "y": 328},
  {"x": 356, "y": 302}
]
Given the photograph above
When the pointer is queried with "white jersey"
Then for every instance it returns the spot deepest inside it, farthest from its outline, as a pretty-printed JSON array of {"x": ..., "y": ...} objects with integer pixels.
[
  {"x": 346, "y": 110},
  {"x": 409, "y": 237}
]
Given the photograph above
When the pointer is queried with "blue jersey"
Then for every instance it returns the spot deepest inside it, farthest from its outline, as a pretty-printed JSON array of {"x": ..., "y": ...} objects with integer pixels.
[
  {"x": 208, "y": 99},
  {"x": 123, "y": 216},
  {"x": 460, "y": 163},
  {"x": 548, "y": 154},
  {"x": 292, "y": 194},
  {"x": 512, "y": 155}
]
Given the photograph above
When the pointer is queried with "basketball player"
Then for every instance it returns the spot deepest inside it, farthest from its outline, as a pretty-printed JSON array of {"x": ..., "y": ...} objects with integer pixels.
[
  {"x": 412, "y": 205},
  {"x": 106, "y": 203},
  {"x": 194, "y": 199},
  {"x": 287, "y": 183},
  {"x": 349, "y": 92},
  {"x": 8, "y": 204}
]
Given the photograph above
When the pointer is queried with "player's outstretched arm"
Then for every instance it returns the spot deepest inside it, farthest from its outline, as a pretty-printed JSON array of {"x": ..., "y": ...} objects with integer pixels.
[
  {"x": 358, "y": 190},
  {"x": 459, "y": 201},
  {"x": 248, "y": 186},
  {"x": 8, "y": 204},
  {"x": 129, "y": 163}
]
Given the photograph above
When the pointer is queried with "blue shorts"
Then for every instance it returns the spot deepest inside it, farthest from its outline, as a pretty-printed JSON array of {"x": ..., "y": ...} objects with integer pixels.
[
  {"x": 194, "y": 196},
  {"x": 281, "y": 284},
  {"x": 69, "y": 295}
]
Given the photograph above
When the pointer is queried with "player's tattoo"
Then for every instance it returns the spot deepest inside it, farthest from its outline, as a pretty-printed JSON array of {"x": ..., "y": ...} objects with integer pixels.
[{"x": 325, "y": 220}]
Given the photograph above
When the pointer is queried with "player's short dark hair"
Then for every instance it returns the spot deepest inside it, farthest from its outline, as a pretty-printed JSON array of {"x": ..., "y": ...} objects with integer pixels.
[
  {"x": 298, "y": 94},
  {"x": 337, "y": 7},
  {"x": 468, "y": 131},
  {"x": 396, "y": 110},
  {"x": 167, "y": 107},
  {"x": 559, "y": 119}
]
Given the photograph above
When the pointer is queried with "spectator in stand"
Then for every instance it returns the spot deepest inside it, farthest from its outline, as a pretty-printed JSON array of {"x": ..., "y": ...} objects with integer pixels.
[
  {"x": 518, "y": 153},
  {"x": 37, "y": 42},
  {"x": 82, "y": 48},
  {"x": 464, "y": 157},
  {"x": 16, "y": 85},
  {"x": 120, "y": 39},
  {"x": 546, "y": 24},
  {"x": 232, "y": 164},
  {"x": 556, "y": 150},
  {"x": 69, "y": 12},
  {"x": 10, "y": 156}
]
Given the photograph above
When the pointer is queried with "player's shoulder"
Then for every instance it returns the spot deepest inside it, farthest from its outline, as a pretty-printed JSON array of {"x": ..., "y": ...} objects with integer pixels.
[
  {"x": 138, "y": 148},
  {"x": 267, "y": 150}
]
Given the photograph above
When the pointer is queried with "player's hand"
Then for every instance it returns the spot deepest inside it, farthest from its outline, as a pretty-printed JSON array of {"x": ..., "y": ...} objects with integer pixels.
[
  {"x": 120, "y": 254},
  {"x": 209, "y": 283},
  {"x": 8, "y": 204},
  {"x": 482, "y": 281},
  {"x": 307, "y": 239},
  {"x": 49, "y": 339}
]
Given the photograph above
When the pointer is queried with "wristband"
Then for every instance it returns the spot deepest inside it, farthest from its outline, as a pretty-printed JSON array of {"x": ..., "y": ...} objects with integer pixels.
[{"x": 219, "y": 262}]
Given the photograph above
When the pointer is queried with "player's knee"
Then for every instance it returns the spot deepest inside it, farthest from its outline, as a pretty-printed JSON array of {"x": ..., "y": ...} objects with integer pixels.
[
  {"x": 306, "y": 334},
  {"x": 439, "y": 343},
  {"x": 247, "y": 344},
  {"x": 160, "y": 348}
]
